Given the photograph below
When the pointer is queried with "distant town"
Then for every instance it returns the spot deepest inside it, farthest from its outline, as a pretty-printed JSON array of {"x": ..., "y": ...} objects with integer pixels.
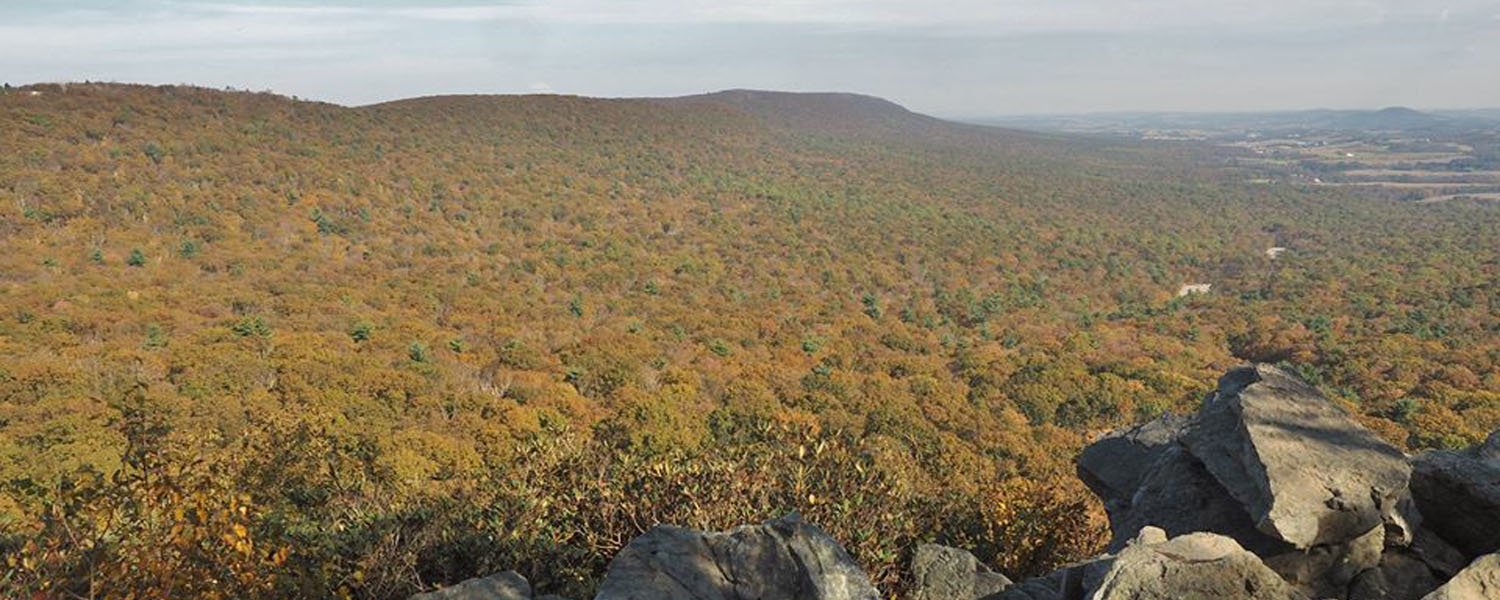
[{"x": 1400, "y": 152}]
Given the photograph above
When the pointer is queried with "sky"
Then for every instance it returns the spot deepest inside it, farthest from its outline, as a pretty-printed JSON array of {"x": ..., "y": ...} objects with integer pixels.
[{"x": 953, "y": 58}]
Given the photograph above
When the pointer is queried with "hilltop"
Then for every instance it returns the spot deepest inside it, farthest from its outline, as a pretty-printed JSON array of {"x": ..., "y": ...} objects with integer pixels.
[
  {"x": 289, "y": 348},
  {"x": 849, "y": 114}
]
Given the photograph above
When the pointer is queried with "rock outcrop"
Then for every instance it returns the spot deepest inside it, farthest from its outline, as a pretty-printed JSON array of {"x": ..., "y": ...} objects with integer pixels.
[
  {"x": 1114, "y": 466},
  {"x": 1153, "y": 567},
  {"x": 1196, "y": 565},
  {"x": 1179, "y": 495},
  {"x": 1458, "y": 495},
  {"x": 1270, "y": 491},
  {"x": 784, "y": 559},
  {"x": 1273, "y": 465},
  {"x": 943, "y": 573},
  {"x": 1306, "y": 473}
]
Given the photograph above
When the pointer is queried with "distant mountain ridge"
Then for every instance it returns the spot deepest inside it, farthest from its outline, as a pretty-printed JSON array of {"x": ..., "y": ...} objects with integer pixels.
[
  {"x": 829, "y": 112},
  {"x": 1392, "y": 118}
]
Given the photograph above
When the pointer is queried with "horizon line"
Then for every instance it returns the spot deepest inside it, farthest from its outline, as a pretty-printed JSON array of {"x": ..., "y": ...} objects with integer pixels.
[{"x": 971, "y": 118}]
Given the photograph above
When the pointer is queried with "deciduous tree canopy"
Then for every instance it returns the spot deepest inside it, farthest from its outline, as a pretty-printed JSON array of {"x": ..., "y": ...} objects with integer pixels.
[{"x": 297, "y": 348}]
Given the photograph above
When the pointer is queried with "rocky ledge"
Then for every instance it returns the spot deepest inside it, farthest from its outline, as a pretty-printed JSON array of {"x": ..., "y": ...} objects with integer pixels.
[{"x": 1269, "y": 491}]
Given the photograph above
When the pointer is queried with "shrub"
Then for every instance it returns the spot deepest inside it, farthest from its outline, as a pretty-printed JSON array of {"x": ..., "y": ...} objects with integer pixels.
[
  {"x": 361, "y": 331},
  {"x": 419, "y": 353},
  {"x": 154, "y": 152},
  {"x": 251, "y": 327},
  {"x": 318, "y": 521}
]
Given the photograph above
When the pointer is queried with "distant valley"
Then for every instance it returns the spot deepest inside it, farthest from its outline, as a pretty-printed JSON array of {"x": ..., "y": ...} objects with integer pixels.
[{"x": 1399, "y": 152}]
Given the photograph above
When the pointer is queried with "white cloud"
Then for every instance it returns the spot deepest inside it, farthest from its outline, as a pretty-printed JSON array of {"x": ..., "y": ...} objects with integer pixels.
[
  {"x": 957, "y": 56},
  {"x": 93, "y": 32},
  {"x": 262, "y": 10},
  {"x": 1015, "y": 16},
  {"x": 993, "y": 16}
]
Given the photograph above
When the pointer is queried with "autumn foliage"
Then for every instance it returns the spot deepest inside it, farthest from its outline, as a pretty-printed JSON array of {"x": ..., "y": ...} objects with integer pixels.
[{"x": 259, "y": 347}]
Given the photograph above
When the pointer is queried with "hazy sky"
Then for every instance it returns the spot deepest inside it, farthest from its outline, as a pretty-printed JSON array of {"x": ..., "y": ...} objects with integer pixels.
[{"x": 945, "y": 57}]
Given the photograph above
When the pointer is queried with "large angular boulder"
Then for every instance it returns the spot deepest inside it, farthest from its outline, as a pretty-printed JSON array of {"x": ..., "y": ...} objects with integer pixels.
[
  {"x": 1114, "y": 466},
  {"x": 1458, "y": 494},
  {"x": 784, "y": 559},
  {"x": 500, "y": 586},
  {"x": 1479, "y": 581},
  {"x": 1180, "y": 496},
  {"x": 1153, "y": 567},
  {"x": 1304, "y": 471},
  {"x": 944, "y": 573},
  {"x": 1197, "y": 565}
]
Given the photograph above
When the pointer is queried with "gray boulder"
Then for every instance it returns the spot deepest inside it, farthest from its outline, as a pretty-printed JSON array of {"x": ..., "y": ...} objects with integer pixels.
[
  {"x": 1197, "y": 565},
  {"x": 1458, "y": 495},
  {"x": 1479, "y": 581},
  {"x": 784, "y": 559},
  {"x": 944, "y": 573},
  {"x": 1153, "y": 567},
  {"x": 500, "y": 586},
  {"x": 1304, "y": 471},
  {"x": 1114, "y": 466},
  {"x": 1180, "y": 496}
]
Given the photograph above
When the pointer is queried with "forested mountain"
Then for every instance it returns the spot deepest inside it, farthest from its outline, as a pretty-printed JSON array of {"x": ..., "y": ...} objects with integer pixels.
[{"x": 257, "y": 346}]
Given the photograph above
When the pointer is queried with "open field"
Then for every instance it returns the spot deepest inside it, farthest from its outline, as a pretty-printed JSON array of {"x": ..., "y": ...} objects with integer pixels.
[
  {"x": 1495, "y": 196},
  {"x": 1445, "y": 176},
  {"x": 1405, "y": 184},
  {"x": 1373, "y": 154}
]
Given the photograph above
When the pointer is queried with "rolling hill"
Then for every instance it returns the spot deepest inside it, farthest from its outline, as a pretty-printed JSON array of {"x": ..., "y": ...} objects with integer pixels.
[{"x": 300, "y": 349}]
